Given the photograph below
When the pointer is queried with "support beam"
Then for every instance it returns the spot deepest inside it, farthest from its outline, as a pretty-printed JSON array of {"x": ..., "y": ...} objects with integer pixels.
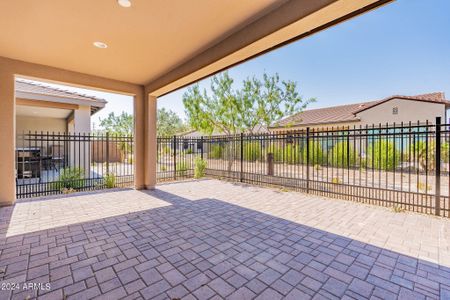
[
  {"x": 151, "y": 147},
  {"x": 46, "y": 104},
  {"x": 7, "y": 136},
  {"x": 139, "y": 140}
]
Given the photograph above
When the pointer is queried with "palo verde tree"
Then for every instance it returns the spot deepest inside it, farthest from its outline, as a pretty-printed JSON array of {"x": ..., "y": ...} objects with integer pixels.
[
  {"x": 169, "y": 123},
  {"x": 229, "y": 110},
  {"x": 259, "y": 102},
  {"x": 122, "y": 124}
]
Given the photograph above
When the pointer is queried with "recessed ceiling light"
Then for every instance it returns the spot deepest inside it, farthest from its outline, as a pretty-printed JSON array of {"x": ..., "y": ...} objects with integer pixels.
[
  {"x": 124, "y": 3},
  {"x": 100, "y": 45}
]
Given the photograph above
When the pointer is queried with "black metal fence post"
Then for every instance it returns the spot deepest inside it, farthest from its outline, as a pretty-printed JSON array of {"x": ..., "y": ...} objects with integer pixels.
[
  {"x": 175, "y": 157},
  {"x": 201, "y": 149},
  {"x": 307, "y": 159},
  {"x": 241, "y": 178},
  {"x": 107, "y": 153},
  {"x": 438, "y": 167}
]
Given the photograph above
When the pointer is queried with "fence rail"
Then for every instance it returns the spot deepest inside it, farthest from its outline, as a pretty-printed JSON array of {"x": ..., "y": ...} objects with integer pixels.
[
  {"x": 52, "y": 163},
  {"x": 401, "y": 165}
]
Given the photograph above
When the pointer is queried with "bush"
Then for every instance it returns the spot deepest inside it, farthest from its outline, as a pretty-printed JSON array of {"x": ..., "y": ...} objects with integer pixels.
[
  {"x": 216, "y": 151},
  {"x": 340, "y": 157},
  {"x": 110, "y": 180},
  {"x": 426, "y": 154},
  {"x": 69, "y": 178},
  {"x": 167, "y": 150},
  {"x": 182, "y": 168},
  {"x": 316, "y": 154},
  {"x": 296, "y": 154},
  {"x": 289, "y": 153},
  {"x": 252, "y": 151},
  {"x": 383, "y": 155},
  {"x": 200, "y": 167}
]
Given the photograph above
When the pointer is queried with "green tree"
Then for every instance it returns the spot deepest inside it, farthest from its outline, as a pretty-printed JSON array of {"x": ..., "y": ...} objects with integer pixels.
[
  {"x": 169, "y": 123},
  {"x": 122, "y": 124},
  {"x": 230, "y": 111}
]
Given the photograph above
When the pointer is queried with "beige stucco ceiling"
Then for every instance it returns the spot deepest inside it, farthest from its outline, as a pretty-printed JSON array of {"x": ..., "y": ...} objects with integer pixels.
[{"x": 144, "y": 41}]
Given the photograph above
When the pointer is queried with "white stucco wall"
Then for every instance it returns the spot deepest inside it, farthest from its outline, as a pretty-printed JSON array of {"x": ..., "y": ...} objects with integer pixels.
[{"x": 407, "y": 111}]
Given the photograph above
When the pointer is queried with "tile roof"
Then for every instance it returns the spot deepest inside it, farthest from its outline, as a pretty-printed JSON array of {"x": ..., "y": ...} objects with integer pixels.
[
  {"x": 36, "y": 88},
  {"x": 347, "y": 113}
]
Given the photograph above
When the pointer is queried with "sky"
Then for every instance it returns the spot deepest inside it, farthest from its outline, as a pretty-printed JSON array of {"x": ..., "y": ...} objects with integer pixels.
[{"x": 400, "y": 49}]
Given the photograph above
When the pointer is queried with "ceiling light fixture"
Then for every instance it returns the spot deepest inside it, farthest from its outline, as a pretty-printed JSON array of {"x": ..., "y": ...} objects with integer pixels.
[
  {"x": 124, "y": 3},
  {"x": 100, "y": 45}
]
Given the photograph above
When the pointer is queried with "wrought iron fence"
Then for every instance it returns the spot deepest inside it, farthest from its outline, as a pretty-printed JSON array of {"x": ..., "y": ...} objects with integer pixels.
[
  {"x": 405, "y": 166},
  {"x": 53, "y": 163}
]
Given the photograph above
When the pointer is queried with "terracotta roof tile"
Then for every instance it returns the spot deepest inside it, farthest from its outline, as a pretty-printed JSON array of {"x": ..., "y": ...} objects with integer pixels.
[
  {"x": 347, "y": 113},
  {"x": 35, "y": 88}
]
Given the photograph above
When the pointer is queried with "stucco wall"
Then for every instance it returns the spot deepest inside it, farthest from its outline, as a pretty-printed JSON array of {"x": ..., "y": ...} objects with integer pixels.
[
  {"x": 407, "y": 111},
  {"x": 26, "y": 124},
  {"x": 40, "y": 124}
]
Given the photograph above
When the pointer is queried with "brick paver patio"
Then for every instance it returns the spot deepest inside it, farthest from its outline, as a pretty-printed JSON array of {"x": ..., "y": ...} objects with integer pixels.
[{"x": 211, "y": 240}]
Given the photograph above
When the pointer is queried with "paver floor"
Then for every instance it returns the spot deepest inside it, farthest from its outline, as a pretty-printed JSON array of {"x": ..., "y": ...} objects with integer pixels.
[{"x": 210, "y": 239}]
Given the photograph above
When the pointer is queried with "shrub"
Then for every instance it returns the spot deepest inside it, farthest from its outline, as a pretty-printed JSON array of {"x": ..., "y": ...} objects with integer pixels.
[
  {"x": 182, "y": 168},
  {"x": 316, "y": 154},
  {"x": 426, "y": 154},
  {"x": 252, "y": 151},
  {"x": 338, "y": 156},
  {"x": 290, "y": 154},
  {"x": 69, "y": 178},
  {"x": 423, "y": 187},
  {"x": 336, "y": 180},
  {"x": 166, "y": 150},
  {"x": 216, "y": 151},
  {"x": 130, "y": 158},
  {"x": 110, "y": 180},
  {"x": 199, "y": 168},
  {"x": 296, "y": 154},
  {"x": 383, "y": 155},
  {"x": 445, "y": 152}
]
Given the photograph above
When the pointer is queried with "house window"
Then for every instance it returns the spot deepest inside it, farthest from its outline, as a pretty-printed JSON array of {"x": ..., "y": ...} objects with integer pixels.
[{"x": 395, "y": 111}]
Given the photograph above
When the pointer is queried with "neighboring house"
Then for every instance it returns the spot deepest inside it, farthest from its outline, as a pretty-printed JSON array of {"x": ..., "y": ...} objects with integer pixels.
[
  {"x": 44, "y": 108},
  {"x": 197, "y": 134},
  {"x": 41, "y": 108},
  {"x": 389, "y": 110}
]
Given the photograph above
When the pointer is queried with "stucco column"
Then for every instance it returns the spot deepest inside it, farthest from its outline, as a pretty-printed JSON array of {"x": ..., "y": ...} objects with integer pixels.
[
  {"x": 151, "y": 147},
  {"x": 145, "y": 141},
  {"x": 7, "y": 137},
  {"x": 139, "y": 140},
  {"x": 79, "y": 151},
  {"x": 82, "y": 119}
]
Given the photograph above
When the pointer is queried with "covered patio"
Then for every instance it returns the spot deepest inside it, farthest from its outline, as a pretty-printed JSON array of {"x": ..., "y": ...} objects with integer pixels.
[
  {"x": 211, "y": 239},
  {"x": 204, "y": 239},
  {"x": 144, "y": 49}
]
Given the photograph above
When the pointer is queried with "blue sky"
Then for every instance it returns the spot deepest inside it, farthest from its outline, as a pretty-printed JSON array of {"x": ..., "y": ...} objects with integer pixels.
[{"x": 401, "y": 48}]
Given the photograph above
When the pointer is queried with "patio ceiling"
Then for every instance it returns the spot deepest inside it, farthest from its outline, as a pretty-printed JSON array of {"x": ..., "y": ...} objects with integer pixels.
[{"x": 156, "y": 44}]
